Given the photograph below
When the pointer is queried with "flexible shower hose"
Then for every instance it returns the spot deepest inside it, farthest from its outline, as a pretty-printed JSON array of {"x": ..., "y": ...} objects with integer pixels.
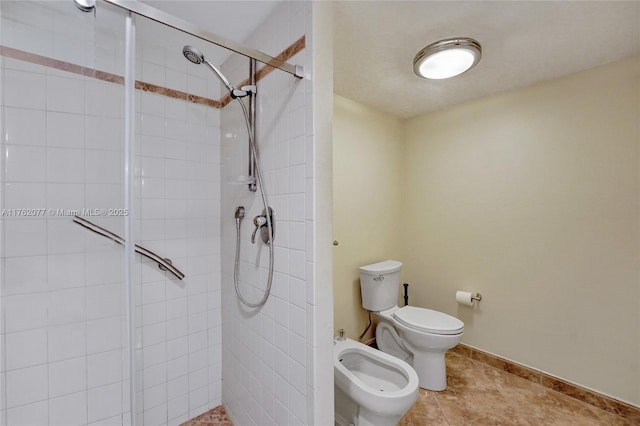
[{"x": 269, "y": 224}]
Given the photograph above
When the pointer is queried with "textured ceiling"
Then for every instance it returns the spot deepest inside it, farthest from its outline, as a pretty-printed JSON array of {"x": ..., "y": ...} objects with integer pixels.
[{"x": 523, "y": 42}]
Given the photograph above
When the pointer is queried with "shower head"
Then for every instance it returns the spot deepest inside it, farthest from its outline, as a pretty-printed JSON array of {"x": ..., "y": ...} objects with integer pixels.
[{"x": 195, "y": 56}]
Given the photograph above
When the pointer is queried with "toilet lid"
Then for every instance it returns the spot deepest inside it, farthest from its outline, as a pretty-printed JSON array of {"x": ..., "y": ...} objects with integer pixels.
[{"x": 428, "y": 320}]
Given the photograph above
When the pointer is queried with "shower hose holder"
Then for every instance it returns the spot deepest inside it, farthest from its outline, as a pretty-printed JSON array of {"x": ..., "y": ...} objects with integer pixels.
[{"x": 243, "y": 91}]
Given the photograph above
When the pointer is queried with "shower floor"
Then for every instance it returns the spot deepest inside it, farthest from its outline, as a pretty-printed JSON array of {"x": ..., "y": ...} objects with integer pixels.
[
  {"x": 215, "y": 417},
  {"x": 481, "y": 395}
]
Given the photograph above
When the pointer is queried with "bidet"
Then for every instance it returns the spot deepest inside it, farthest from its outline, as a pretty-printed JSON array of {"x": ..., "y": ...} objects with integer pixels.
[{"x": 371, "y": 387}]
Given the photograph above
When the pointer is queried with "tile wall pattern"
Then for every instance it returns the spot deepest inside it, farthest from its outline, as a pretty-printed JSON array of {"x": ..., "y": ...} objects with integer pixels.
[
  {"x": 176, "y": 193},
  {"x": 62, "y": 298},
  {"x": 177, "y": 185},
  {"x": 268, "y": 354},
  {"x": 63, "y": 351}
]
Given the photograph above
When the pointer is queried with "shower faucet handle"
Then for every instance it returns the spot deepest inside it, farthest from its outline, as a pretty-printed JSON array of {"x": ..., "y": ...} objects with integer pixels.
[
  {"x": 261, "y": 224},
  {"x": 259, "y": 221}
]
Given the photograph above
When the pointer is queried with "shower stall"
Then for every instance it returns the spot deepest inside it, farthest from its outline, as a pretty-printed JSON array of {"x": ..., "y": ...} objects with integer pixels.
[{"x": 123, "y": 166}]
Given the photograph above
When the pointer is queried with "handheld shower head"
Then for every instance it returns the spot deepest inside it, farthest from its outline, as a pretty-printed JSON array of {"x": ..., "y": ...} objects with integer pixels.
[{"x": 195, "y": 56}]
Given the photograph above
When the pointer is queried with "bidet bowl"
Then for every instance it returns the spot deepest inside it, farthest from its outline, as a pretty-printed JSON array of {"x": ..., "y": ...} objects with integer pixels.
[{"x": 380, "y": 387}]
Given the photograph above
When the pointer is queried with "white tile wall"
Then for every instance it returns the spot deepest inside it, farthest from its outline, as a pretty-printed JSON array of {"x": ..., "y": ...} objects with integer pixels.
[
  {"x": 51, "y": 312},
  {"x": 63, "y": 339},
  {"x": 57, "y": 323},
  {"x": 177, "y": 184},
  {"x": 60, "y": 287},
  {"x": 270, "y": 356}
]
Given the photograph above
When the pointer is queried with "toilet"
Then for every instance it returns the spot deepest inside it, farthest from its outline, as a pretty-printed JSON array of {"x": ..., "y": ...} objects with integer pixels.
[
  {"x": 419, "y": 336},
  {"x": 371, "y": 387}
]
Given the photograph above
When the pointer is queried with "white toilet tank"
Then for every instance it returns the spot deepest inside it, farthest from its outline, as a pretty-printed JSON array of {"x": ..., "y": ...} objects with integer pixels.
[{"x": 379, "y": 284}]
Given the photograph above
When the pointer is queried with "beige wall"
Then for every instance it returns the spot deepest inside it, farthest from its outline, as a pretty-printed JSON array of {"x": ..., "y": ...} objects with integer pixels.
[
  {"x": 530, "y": 197},
  {"x": 367, "y": 221}
]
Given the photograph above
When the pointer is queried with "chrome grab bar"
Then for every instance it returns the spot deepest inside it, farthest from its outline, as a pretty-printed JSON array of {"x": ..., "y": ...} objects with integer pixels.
[{"x": 163, "y": 263}]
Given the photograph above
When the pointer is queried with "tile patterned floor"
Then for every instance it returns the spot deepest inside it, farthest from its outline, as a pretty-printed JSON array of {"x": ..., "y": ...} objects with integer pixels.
[
  {"x": 480, "y": 395},
  {"x": 216, "y": 417}
]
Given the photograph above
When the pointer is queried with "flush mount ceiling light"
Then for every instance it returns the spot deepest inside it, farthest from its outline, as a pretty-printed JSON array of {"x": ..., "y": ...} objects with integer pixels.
[{"x": 447, "y": 58}]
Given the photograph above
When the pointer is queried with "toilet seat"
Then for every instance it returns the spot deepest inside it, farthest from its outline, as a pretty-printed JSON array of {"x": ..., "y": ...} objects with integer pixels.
[{"x": 428, "y": 321}]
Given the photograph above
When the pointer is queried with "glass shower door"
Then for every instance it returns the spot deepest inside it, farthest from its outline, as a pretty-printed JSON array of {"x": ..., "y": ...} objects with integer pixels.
[
  {"x": 77, "y": 313},
  {"x": 177, "y": 215},
  {"x": 64, "y": 353}
]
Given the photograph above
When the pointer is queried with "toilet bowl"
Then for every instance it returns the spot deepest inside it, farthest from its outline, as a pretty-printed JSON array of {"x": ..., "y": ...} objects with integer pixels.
[
  {"x": 372, "y": 388},
  {"x": 419, "y": 336}
]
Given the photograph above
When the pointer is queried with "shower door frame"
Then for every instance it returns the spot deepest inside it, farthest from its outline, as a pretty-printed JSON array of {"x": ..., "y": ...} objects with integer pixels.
[
  {"x": 135, "y": 8},
  {"x": 181, "y": 25}
]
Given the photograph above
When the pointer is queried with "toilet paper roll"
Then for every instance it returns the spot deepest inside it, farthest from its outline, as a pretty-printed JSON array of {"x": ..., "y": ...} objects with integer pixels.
[{"x": 464, "y": 298}]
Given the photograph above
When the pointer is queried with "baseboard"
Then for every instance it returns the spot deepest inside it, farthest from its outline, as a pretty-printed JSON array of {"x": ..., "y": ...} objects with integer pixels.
[{"x": 604, "y": 402}]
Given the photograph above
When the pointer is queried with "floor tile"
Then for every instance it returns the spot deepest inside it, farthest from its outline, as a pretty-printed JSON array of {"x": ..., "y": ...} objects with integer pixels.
[{"x": 478, "y": 394}]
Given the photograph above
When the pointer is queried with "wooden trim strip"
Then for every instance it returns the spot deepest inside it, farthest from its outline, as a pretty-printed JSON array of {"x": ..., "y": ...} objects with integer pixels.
[
  {"x": 104, "y": 76},
  {"x": 607, "y": 403},
  {"x": 21, "y": 55},
  {"x": 284, "y": 56},
  {"x": 160, "y": 90},
  {"x": 33, "y": 58}
]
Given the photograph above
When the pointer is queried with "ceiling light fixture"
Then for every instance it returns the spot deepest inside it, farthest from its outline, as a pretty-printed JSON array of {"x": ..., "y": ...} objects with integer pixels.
[{"x": 447, "y": 58}]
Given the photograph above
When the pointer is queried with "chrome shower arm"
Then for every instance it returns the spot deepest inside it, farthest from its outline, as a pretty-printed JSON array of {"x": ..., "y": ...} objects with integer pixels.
[{"x": 221, "y": 76}]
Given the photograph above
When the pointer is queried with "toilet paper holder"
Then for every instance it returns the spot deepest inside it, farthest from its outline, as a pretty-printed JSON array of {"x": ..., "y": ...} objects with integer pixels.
[{"x": 467, "y": 298}]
